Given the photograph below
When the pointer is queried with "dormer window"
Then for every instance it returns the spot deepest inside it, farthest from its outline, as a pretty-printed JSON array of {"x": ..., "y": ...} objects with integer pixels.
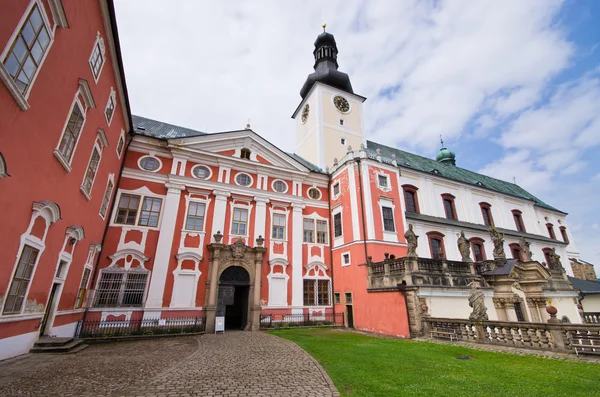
[{"x": 245, "y": 154}]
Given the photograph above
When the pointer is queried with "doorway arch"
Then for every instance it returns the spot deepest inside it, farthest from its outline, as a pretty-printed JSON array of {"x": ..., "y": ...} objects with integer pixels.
[{"x": 233, "y": 297}]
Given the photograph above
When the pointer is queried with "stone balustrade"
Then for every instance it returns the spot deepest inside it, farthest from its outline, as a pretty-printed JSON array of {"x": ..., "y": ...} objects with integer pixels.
[
  {"x": 542, "y": 336},
  {"x": 591, "y": 317}
]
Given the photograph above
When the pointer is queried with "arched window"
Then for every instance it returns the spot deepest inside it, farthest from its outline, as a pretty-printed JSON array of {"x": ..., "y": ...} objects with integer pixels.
[
  {"x": 478, "y": 249},
  {"x": 515, "y": 250},
  {"x": 245, "y": 154},
  {"x": 486, "y": 212},
  {"x": 547, "y": 252},
  {"x": 436, "y": 245},
  {"x": 517, "y": 216},
  {"x": 563, "y": 232},
  {"x": 449, "y": 207},
  {"x": 410, "y": 198},
  {"x": 550, "y": 228}
]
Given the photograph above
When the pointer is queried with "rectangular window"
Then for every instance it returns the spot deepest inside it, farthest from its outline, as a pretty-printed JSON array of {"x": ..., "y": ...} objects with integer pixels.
[
  {"x": 128, "y": 209},
  {"x": 309, "y": 230},
  {"x": 195, "y": 216},
  {"x": 110, "y": 108},
  {"x": 346, "y": 259},
  {"x": 336, "y": 189},
  {"x": 117, "y": 289},
  {"x": 487, "y": 219},
  {"x": 477, "y": 252},
  {"x": 309, "y": 292},
  {"x": 519, "y": 222},
  {"x": 382, "y": 180},
  {"x": 279, "y": 226},
  {"x": 240, "y": 221},
  {"x": 61, "y": 267},
  {"x": 409, "y": 199},
  {"x": 436, "y": 249},
  {"x": 106, "y": 198},
  {"x": 388, "y": 219},
  {"x": 519, "y": 312},
  {"x": 551, "y": 231},
  {"x": 71, "y": 133},
  {"x": 83, "y": 287},
  {"x": 563, "y": 232},
  {"x": 120, "y": 146},
  {"x": 96, "y": 61},
  {"x": 90, "y": 173},
  {"x": 323, "y": 292},
  {"x": 337, "y": 298},
  {"x": 28, "y": 50},
  {"x": 337, "y": 224},
  {"x": 322, "y": 232},
  {"x": 516, "y": 253},
  {"x": 150, "y": 212},
  {"x": 348, "y": 297},
  {"x": 18, "y": 287},
  {"x": 449, "y": 209}
]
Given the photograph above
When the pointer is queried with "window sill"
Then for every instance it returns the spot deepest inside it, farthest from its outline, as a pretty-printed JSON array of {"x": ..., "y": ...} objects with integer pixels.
[
  {"x": 12, "y": 87},
  {"x": 62, "y": 160},
  {"x": 86, "y": 194},
  {"x": 9, "y": 318}
]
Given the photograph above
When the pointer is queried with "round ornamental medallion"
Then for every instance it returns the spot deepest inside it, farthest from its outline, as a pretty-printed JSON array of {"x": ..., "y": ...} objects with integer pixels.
[
  {"x": 305, "y": 113},
  {"x": 341, "y": 104}
]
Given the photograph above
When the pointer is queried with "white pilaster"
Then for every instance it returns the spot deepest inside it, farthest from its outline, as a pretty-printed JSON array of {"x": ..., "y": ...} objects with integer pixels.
[
  {"x": 353, "y": 202},
  {"x": 297, "y": 283},
  {"x": 261, "y": 216},
  {"x": 163, "y": 246},
  {"x": 219, "y": 212},
  {"x": 368, "y": 202}
]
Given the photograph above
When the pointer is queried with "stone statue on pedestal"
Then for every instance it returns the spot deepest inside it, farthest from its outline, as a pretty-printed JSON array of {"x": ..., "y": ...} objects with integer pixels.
[
  {"x": 477, "y": 302},
  {"x": 464, "y": 247},
  {"x": 525, "y": 250},
  {"x": 554, "y": 261},
  {"x": 412, "y": 242},
  {"x": 498, "y": 240}
]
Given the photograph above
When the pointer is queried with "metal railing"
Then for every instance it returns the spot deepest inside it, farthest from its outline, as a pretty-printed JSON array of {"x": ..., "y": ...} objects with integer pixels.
[
  {"x": 157, "y": 326},
  {"x": 287, "y": 320}
]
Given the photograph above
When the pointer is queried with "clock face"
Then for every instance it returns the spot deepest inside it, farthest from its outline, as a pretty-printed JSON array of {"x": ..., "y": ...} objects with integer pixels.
[
  {"x": 305, "y": 113},
  {"x": 341, "y": 104}
]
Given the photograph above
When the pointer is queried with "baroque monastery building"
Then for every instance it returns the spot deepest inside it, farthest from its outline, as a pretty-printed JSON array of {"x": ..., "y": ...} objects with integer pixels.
[{"x": 131, "y": 218}]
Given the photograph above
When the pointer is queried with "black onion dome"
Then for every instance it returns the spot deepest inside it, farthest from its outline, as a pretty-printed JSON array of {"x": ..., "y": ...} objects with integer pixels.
[{"x": 326, "y": 66}]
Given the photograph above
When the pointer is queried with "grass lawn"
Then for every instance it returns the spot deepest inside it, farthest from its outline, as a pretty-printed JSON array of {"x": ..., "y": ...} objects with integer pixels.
[{"x": 361, "y": 365}]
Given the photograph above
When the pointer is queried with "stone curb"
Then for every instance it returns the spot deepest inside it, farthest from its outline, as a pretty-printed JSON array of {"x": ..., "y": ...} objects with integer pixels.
[{"x": 136, "y": 337}]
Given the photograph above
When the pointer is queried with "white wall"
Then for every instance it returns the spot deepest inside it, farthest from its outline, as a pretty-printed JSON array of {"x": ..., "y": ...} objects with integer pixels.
[
  {"x": 17, "y": 345},
  {"x": 591, "y": 303}
]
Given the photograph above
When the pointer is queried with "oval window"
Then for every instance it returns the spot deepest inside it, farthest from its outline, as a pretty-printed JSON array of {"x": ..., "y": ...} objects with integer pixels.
[
  {"x": 149, "y": 163},
  {"x": 280, "y": 186},
  {"x": 243, "y": 179},
  {"x": 201, "y": 172},
  {"x": 314, "y": 193}
]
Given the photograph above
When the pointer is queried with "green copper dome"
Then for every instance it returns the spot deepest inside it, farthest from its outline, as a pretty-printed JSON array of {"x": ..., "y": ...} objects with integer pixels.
[{"x": 446, "y": 156}]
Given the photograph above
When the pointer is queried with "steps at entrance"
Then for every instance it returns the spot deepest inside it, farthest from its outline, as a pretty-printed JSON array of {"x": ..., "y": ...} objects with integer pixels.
[{"x": 58, "y": 345}]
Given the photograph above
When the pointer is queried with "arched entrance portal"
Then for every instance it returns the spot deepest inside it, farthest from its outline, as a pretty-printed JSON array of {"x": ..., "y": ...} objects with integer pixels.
[{"x": 232, "y": 301}]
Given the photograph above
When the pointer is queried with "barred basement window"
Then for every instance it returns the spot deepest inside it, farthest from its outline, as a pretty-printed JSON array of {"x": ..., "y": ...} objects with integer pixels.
[
  {"x": 195, "y": 216},
  {"x": 150, "y": 212},
  {"x": 121, "y": 288},
  {"x": 316, "y": 292},
  {"x": 388, "y": 219},
  {"x": 20, "y": 282},
  {"x": 337, "y": 224},
  {"x": 309, "y": 292},
  {"x": 28, "y": 50}
]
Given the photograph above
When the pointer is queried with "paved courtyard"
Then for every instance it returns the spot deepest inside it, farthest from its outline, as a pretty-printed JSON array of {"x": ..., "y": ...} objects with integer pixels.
[{"x": 233, "y": 364}]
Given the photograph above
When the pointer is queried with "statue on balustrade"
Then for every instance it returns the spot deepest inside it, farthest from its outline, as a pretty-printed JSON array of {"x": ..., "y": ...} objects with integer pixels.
[
  {"x": 498, "y": 240},
  {"x": 477, "y": 302},
  {"x": 554, "y": 261},
  {"x": 525, "y": 250},
  {"x": 464, "y": 247},
  {"x": 412, "y": 241}
]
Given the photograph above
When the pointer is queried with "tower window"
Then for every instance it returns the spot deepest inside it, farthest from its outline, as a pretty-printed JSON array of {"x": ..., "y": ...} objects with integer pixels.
[
  {"x": 341, "y": 122},
  {"x": 343, "y": 141},
  {"x": 550, "y": 228},
  {"x": 245, "y": 154},
  {"x": 563, "y": 232}
]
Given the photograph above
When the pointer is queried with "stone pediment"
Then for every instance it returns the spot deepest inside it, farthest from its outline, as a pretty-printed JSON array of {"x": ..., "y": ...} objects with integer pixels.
[{"x": 531, "y": 271}]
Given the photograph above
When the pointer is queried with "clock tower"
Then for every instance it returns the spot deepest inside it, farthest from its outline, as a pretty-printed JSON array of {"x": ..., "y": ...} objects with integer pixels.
[{"x": 330, "y": 115}]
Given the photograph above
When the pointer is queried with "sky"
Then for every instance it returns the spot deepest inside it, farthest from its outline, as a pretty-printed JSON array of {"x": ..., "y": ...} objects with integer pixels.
[{"x": 512, "y": 86}]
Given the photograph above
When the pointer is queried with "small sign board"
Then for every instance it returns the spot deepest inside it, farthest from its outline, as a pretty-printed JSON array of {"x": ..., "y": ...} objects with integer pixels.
[
  {"x": 162, "y": 321},
  {"x": 220, "y": 324}
]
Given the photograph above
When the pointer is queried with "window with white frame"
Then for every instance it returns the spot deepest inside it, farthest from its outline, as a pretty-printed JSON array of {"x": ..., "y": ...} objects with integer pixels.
[
  {"x": 121, "y": 144},
  {"x": 239, "y": 222},
  {"x": 128, "y": 210},
  {"x": 27, "y": 51},
  {"x": 195, "y": 216},
  {"x": 279, "y": 226},
  {"x": 336, "y": 189},
  {"x": 97, "y": 58},
  {"x": 110, "y": 105},
  {"x": 337, "y": 225},
  {"x": 121, "y": 288},
  {"x": 71, "y": 132},
  {"x": 18, "y": 287},
  {"x": 243, "y": 179},
  {"x": 150, "y": 163},
  {"x": 314, "y": 193},
  {"x": 62, "y": 265},
  {"x": 83, "y": 287},
  {"x": 383, "y": 181},
  {"x": 388, "y": 219},
  {"x": 90, "y": 173},
  {"x": 280, "y": 186},
  {"x": 201, "y": 172},
  {"x": 316, "y": 292},
  {"x": 346, "y": 259},
  {"x": 106, "y": 199},
  {"x": 315, "y": 228}
]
